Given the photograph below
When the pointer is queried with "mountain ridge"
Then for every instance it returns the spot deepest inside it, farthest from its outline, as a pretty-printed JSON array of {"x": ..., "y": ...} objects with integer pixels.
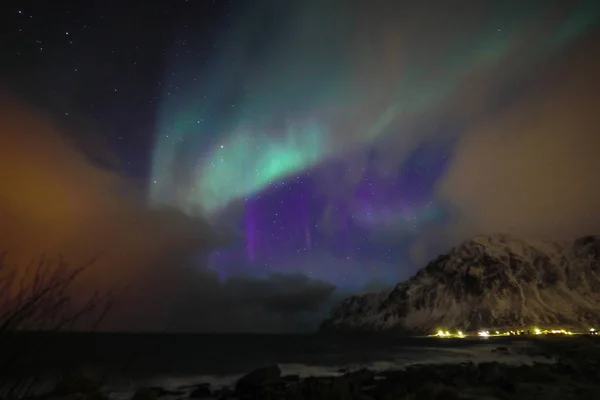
[{"x": 487, "y": 282}]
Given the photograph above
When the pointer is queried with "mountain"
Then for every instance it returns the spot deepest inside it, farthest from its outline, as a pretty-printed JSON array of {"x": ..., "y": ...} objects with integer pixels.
[{"x": 485, "y": 283}]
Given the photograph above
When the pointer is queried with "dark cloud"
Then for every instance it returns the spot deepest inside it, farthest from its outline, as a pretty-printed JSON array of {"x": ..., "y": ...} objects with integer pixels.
[
  {"x": 60, "y": 197},
  {"x": 282, "y": 293},
  {"x": 278, "y": 303},
  {"x": 181, "y": 296}
]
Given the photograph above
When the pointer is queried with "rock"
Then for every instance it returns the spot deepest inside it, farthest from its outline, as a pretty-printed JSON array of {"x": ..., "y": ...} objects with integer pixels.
[
  {"x": 201, "y": 392},
  {"x": 574, "y": 377},
  {"x": 223, "y": 394},
  {"x": 162, "y": 392},
  {"x": 489, "y": 372},
  {"x": 291, "y": 378},
  {"x": 258, "y": 379},
  {"x": 362, "y": 376},
  {"x": 506, "y": 386},
  {"x": 436, "y": 392},
  {"x": 144, "y": 394},
  {"x": 325, "y": 388},
  {"x": 447, "y": 394},
  {"x": 75, "y": 384}
]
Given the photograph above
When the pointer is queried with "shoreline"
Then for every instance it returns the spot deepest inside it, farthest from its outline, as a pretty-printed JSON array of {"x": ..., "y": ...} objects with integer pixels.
[
  {"x": 566, "y": 370},
  {"x": 558, "y": 368}
]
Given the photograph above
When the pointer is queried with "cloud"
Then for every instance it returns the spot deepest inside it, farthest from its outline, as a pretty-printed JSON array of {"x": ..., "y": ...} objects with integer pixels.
[
  {"x": 282, "y": 293},
  {"x": 532, "y": 169},
  {"x": 57, "y": 198},
  {"x": 415, "y": 78},
  {"x": 278, "y": 303}
]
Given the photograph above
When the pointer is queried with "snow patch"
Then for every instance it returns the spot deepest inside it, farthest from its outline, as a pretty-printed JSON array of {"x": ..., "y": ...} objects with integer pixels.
[{"x": 487, "y": 282}]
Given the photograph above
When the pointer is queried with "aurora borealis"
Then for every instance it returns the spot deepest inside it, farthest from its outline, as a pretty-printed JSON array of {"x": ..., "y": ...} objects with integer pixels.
[
  {"x": 314, "y": 142},
  {"x": 240, "y": 165}
]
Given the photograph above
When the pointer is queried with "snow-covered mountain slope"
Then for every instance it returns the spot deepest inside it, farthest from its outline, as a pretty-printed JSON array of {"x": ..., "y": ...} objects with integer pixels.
[{"x": 485, "y": 283}]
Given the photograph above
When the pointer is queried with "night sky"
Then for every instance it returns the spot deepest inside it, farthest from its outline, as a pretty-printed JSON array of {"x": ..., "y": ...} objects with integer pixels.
[{"x": 265, "y": 158}]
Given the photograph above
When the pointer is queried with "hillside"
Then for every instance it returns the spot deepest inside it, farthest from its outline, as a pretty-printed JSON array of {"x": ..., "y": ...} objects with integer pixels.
[{"x": 485, "y": 283}]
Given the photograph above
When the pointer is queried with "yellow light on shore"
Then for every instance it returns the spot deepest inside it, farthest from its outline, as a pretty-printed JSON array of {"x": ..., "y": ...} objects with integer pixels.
[
  {"x": 446, "y": 334},
  {"x": 529, "y": 331}
]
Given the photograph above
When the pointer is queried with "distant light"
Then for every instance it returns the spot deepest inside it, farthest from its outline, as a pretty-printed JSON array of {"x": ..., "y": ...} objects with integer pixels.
[
  {"x": 484, "y": 334},
  {"x": 442, "y": 333},
  {"x": 537, "y": 331}
]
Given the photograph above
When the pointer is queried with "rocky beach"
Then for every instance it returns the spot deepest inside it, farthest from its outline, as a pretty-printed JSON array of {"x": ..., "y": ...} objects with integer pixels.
[{"x": 536, "y": 368}]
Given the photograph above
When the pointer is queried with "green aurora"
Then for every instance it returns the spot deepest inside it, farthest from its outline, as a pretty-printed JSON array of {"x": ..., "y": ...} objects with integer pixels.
[{"x": 293, "y": 101}]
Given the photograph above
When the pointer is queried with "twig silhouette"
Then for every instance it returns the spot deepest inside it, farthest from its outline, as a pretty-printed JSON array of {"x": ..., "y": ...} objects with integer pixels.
[{"x": 38, "y": 298}]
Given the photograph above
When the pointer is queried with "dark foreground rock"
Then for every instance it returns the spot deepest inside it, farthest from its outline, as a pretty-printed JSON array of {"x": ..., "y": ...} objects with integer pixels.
[
  {"x": 260, "y": 381},
  {"x": 570, "y": 371}
]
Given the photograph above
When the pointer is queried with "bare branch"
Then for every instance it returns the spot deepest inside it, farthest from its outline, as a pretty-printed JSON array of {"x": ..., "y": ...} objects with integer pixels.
[{"x": 39, "y": 298}]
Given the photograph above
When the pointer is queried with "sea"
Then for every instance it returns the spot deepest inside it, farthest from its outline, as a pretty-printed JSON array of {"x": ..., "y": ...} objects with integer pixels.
[{"x": 171, "y": 361}]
